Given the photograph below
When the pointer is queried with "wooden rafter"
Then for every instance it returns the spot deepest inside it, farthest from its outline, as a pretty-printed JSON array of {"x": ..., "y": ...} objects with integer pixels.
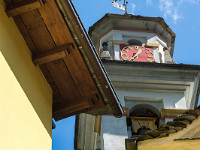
[
  {"x": 19, "y": 8},
  {"x": 67, "y": 69},
  {"x": 53, "y": 54}
]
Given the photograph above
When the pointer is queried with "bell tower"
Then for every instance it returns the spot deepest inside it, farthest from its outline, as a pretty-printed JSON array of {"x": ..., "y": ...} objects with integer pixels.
[
  {"x": 133, "y": 38},
  {"x": 137, "y": 53}
]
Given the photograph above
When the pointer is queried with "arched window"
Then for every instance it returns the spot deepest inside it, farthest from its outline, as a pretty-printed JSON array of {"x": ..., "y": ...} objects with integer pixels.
[
  {"x": 142, "y": 117},
  {"x": 134, "y": 42}
]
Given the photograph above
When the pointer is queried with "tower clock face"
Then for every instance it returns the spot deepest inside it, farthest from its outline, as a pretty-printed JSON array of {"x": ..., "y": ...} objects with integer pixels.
[{"x": 136, "y": 53}]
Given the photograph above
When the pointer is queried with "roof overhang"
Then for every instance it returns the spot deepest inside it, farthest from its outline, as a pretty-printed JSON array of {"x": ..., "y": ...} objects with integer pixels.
[
  {"x": 61, "y": 47},
  {"x": 150, "y": 24},
  {"x": 156, "y": 77}
]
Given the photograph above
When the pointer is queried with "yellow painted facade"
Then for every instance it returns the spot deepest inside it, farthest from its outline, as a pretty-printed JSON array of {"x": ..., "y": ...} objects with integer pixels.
[
  {"x": 175, "y": 145},
  {"x": 25, "y": 96}
]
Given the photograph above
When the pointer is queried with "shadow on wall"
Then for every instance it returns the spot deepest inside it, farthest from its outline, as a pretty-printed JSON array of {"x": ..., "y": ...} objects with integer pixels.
[{"x": 30, "y": 78}]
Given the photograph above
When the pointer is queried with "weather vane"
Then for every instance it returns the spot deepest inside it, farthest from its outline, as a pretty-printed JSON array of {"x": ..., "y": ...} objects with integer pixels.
[{"x": 122, "y": 7}]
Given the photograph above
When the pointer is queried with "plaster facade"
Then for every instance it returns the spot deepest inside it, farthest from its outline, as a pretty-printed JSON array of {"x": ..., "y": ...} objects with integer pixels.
[
  {"x": 114, "y": 132},
  {"x": 144, "y": 89},
  {"x": 26, "y": 98},
  {"x": 126, "y": 35}
]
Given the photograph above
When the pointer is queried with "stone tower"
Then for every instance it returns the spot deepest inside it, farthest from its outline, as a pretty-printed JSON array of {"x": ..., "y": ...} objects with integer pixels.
[{"x": 137, "y": 54}]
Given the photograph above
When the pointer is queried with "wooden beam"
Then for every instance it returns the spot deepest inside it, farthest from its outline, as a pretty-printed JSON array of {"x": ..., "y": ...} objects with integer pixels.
[
  {"x": 152, "y": 45},
  {"x": 79, "y": 103},
  {"x": 143, "y": 118},
  {"x": 130, "y": 144},
  {"x": 97, "y": 125},
  {"x": 53, "y": 54},
  {"x": 165, "y": 112},
  {"x": 68, "y": 107},
  {"x": 118, "y": 42},
  {"x": 22, "y": 7}
]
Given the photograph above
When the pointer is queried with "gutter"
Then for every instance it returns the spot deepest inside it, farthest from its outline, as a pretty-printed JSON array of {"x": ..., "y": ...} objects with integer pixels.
[{"x": 90, "y": 56}]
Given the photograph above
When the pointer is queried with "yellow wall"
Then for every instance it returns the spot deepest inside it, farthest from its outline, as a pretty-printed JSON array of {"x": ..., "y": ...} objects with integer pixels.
[
  {"x": 175, "y": 145},
  {"x": 25, "y": 97}
]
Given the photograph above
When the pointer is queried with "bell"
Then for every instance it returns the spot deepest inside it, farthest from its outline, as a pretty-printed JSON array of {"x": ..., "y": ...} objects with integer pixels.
[{"x": 105, "y": 46}]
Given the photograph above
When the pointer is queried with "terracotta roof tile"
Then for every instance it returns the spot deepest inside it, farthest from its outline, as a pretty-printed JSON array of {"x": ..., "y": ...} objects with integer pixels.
[{"x": 178, "y": 124}]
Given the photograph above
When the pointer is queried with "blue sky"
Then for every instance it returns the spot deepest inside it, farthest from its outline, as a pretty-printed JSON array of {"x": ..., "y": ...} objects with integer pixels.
[{"x": 183, "y": 17}]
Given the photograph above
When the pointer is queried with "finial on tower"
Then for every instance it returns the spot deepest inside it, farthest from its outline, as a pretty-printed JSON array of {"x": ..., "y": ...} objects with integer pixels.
[{"x": 122, "y": 7}]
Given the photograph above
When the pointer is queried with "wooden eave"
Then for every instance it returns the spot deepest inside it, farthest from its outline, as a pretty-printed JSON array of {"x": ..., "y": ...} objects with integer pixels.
[{"x": 66, "y": 57}]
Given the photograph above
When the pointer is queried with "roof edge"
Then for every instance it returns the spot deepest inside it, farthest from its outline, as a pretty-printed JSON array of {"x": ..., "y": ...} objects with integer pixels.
[{"x": 89, "y": 54}]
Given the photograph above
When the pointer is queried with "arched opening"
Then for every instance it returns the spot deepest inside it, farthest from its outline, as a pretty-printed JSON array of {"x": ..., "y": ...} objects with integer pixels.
[
  {"x": 134, "y": 42},
  {"x": 144, "y": 110},
  {"x": 142, "y": 117}
]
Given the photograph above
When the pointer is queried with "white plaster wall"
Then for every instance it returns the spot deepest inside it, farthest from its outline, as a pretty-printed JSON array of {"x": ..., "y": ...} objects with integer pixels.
[
  {"x": 114, "y": 132},
  {"x": 144, "y": 37},
  {"x": 152, "y": 38},
  {"x": 156, "y": 55},
  {"x": 160, "y": 49},
  {"x": 181, "y": 103},
  {"x": 170, "y": 100},
  {"x": 117, "y": 55},
  {"x": 122, "y": 34},
  {"x": 115, "y": 129}
]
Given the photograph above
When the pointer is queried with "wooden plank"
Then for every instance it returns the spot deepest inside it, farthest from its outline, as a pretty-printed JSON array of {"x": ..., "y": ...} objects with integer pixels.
[
  {"x": 171, "y": 112},
  {"x": 21, "y": 26},
  {"x": 70, "y": 110},
  {"x": 22, "y": 7},
  {"x": 77, "y": 107},
  {"x": 75, "y": 63},
  {"x": 56, "y": 24},
  {"x": 143, "y": 118},
  {"x": 51, "y": 55},
  {"x": 152, "y": 45},
  {"x": 57, "y": 97},
  {"x": 84, "y": 102},
  {"x": 63, "y": 81},
  {"x": 69, "y": 77},
  {"x": 61, "y": 112},
  {"x": 65, "y": 114},
  {"x": 97, "y": 125},
  {"x": 7, "y": 2},
  {"x": 44, "y": 42},
  {"x": 38, "y": 31},
  {"x": 80, "y": 73}
]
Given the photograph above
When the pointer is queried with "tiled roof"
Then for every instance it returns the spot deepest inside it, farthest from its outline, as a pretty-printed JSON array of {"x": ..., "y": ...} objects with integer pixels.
[{"x": 178, "y": 124}]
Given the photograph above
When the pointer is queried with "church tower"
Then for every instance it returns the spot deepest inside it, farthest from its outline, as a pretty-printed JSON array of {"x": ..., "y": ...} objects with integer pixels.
[
  {"x": 113, "y": 35},
  {"x": 137, "y": 54}
]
